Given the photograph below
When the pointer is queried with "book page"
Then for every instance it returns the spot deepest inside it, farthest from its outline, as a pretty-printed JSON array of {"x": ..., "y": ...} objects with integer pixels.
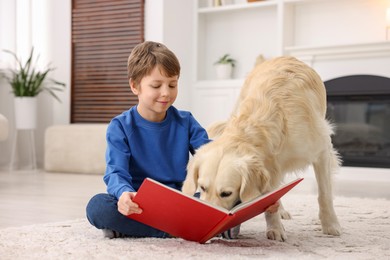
[
  {"x": 287, "y": 186},
  {"x": 174, "y": 212},
  {"x": 190, "y": 218},
  {"x": 250, "y": 209}
]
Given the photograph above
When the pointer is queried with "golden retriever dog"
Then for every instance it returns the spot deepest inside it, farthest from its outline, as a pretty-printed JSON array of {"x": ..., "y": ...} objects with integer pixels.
[{"x": 277, "y": 127}]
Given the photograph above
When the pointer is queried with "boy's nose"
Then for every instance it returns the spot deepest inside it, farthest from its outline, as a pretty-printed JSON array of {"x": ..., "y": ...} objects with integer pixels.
[{"x": 165, "y": 91}]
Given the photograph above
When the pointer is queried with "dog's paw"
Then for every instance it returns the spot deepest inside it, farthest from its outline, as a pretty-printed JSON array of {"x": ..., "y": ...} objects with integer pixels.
[
  {"x": 334, "y": 230},
  {"x": 276, "y": 234},
  {"x": 284, "y": 214}
]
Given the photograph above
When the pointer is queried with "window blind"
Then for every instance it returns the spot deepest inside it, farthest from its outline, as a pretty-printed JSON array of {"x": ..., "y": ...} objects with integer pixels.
[{"x": 103, "y": 34}]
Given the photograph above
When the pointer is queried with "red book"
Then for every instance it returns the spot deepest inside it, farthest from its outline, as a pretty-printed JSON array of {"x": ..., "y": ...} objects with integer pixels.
[{"x": 192, "y": 219}]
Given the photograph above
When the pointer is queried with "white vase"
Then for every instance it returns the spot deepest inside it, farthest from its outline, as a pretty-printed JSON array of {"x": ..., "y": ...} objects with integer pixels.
[
  {"x": 25, "y": 112},
  {"x": 224, "y": 71}
]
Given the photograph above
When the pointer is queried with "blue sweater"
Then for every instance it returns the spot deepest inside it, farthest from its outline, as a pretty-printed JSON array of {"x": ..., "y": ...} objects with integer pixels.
[{"x": 137, "y": 148}]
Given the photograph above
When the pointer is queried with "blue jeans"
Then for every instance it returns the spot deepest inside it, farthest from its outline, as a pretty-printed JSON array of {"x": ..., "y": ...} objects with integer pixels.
[{"x": 102, "y": 212}]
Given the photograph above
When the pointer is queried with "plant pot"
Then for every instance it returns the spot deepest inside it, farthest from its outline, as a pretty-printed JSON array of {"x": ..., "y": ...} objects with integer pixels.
[
  {"x": 25, "y": 112},
  {"x": 224, "y": 71}
]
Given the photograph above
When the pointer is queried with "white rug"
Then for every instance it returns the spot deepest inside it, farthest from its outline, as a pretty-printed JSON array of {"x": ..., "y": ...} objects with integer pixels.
[{"x": 366, "y": 235}]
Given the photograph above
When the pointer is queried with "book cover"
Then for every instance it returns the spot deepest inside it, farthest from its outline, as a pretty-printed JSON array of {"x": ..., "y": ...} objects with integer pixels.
[{"x": 192, "y": 219}]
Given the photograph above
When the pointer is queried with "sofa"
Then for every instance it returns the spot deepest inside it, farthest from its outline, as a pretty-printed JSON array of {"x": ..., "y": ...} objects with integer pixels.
[
  {"x": 75, "y": 148},
  {"x": 4, "y": 128}
]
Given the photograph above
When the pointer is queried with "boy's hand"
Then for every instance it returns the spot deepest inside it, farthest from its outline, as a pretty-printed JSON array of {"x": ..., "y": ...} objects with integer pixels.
[
  {"x": 126, "y": 206},
  {"x": 273, "y": 208}
]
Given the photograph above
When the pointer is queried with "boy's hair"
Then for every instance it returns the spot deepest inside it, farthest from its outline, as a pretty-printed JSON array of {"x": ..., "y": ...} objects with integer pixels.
[{"x": 146, "y": 56}]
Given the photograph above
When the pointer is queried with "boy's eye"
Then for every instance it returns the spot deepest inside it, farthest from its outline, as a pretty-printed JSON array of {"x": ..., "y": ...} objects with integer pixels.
[
  {"x": 155, "y": 86},
  {"x": 172, "y": 86}
]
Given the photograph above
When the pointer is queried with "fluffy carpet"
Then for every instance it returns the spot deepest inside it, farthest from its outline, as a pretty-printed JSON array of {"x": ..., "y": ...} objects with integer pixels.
[{"x": 365, "y": 222}]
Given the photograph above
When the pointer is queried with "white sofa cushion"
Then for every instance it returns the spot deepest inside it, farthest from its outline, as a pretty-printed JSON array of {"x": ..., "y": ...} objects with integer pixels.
[
  {"x": 75, "y": 148},
  {"x": 4, "y": 128}
]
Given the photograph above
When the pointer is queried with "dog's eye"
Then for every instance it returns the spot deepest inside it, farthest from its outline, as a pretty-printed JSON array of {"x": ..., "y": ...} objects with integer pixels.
[
  {"x": 225, "y": 194},
  {"x": 203, "y": 188}
]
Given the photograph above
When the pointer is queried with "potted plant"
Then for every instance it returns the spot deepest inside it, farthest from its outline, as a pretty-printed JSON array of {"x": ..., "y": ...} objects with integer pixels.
[
  {"x": 224, "y": 67},
  {"x": 27, "y": 82}
]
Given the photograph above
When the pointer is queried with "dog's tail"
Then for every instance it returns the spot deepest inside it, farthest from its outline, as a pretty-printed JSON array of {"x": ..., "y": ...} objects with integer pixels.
[{"x": 335, "y": 157}]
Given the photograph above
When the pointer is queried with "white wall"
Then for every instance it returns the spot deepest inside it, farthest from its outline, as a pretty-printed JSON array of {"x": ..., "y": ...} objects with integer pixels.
[
  {"x": 8, "y": 42},
  {"x": 46, "y": 25},
  {"x": 170, "y": 22}
]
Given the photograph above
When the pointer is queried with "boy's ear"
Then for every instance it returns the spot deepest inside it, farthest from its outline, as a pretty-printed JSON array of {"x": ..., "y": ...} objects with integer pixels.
[{"x": 133, "y": 87}]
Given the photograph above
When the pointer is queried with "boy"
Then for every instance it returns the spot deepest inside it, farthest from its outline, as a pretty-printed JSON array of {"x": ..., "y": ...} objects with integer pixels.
[{"x": 152, "y": 139}]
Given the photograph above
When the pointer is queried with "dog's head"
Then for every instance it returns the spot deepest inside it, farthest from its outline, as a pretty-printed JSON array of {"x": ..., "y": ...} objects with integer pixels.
[{"x": 226, "y": 177}]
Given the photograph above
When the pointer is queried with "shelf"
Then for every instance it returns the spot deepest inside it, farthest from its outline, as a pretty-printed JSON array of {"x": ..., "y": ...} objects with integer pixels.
[
  {"x": 315, "y": 31},
  {"x": 234, "y": 7},
  {"x": 372, "y": 49},
  {"x": 259, "y": 4},
  {"x": 303, "y": 1},
  {"x": 228, "y": 83}
]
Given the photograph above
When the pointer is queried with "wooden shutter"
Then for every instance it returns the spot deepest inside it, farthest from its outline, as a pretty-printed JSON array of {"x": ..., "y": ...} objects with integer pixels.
[{"x": 103, "y": 34}]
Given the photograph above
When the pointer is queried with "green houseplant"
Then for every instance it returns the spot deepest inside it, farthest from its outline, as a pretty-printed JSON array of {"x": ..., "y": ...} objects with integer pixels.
[
  {"x": 226, "y": 59},
  {"x": 27, "y": 82},
  {"x": 224, "y": 66}
]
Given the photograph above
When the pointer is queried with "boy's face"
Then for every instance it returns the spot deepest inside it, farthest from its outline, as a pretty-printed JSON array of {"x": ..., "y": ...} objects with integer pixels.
[{"x": 156, "y": 93}]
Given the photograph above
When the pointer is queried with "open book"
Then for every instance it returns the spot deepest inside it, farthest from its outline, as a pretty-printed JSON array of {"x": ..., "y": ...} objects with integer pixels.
[{"x": 192, "y": 219}]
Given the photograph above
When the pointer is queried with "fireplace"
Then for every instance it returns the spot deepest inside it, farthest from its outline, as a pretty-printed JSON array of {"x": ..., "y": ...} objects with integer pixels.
[{"x": 359, "y": 107}]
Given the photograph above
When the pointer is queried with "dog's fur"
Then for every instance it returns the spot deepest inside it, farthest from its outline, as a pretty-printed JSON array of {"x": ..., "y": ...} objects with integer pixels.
[{"x": 277, "y": 127}]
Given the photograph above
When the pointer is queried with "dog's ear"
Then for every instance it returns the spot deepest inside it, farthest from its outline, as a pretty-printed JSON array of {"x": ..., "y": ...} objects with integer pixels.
[
  {"x": 254, "y": 182},
  {"x": 191, "y": 182}
]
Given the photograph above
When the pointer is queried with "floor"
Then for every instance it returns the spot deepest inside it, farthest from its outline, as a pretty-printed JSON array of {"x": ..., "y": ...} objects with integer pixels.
[{"x": 33, "y": 197}]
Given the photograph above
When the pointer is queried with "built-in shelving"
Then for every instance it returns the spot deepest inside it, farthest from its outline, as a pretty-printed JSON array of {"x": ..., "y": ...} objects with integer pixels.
[
  {"x": 278, "y": 27},
  {"x": 311, "y": 30},
  {"x": 237, "y": 7},
  {"x": 229, "y": 83},
  {"x": 344, "y": 51}
]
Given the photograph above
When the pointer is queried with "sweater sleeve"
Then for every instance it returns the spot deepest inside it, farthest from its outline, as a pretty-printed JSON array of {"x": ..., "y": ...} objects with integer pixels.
[
  {"x": 198, "y": 135},
  {"x": 117, "y": 177}
]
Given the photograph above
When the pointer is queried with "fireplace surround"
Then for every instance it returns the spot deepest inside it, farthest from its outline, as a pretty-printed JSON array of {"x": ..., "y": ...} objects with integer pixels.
[{"x": 359, "y": 107}]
